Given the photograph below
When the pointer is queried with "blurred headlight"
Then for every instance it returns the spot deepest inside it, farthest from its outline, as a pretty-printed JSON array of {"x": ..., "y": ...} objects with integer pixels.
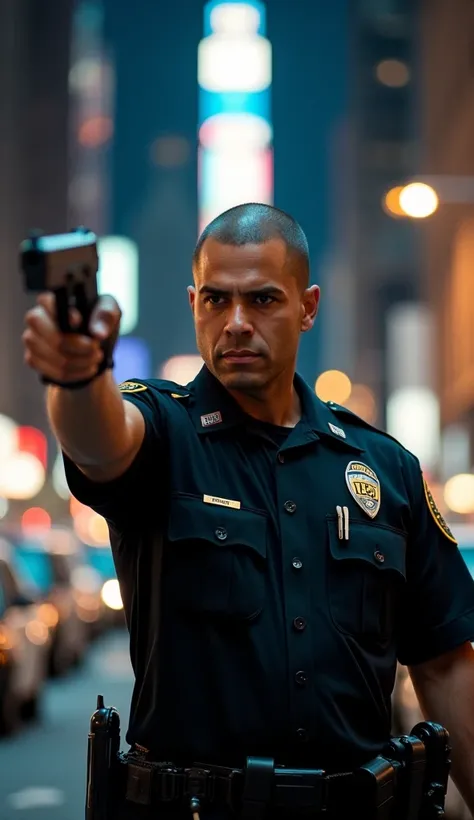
[{"x": 111, "y": 594}]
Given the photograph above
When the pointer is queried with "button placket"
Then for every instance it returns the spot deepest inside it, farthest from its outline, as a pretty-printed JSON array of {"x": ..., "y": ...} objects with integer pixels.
[{"x": 297, "y": 595}]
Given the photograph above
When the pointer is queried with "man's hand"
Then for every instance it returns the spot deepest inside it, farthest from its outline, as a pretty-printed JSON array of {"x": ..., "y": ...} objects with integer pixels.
[{"x": 68, "y": 357}]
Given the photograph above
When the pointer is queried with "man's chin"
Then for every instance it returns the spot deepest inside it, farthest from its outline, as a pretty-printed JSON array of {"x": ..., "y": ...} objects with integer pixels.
[{"x": 241, "y": 380}]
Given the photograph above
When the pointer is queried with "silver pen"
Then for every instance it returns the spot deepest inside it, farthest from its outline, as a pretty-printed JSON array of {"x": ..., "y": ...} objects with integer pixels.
[
  {"x": 340, "y": 525},
  {"x": 345, "y": 511}
]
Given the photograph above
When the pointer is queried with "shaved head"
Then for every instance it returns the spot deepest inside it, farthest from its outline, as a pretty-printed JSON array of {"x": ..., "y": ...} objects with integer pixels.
[{"x": 255, "y": 224}]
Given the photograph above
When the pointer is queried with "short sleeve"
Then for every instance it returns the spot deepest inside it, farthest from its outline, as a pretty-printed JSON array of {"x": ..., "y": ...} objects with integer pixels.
[
  {"x": 437, "y": 610},
  {"x": 132, "y": 492}
]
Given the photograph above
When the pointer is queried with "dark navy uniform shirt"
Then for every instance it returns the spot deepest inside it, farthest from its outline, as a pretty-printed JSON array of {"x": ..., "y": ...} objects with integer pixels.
[{"x": 271, "y": 578}]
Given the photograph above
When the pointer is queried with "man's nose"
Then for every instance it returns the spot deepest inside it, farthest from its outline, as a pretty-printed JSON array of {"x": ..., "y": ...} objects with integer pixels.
[{"x": 237, "y": 321}]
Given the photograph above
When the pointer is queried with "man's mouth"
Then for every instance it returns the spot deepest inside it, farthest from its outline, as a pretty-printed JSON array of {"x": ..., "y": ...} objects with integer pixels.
[{"x": 240, "y": 356}]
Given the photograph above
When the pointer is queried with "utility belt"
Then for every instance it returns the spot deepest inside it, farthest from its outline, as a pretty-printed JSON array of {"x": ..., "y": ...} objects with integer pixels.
[{"x": 408, "y": 781}]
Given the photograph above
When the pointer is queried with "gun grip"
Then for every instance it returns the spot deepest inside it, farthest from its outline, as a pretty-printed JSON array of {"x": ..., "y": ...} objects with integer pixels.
[{"x": 68, "y": 296}]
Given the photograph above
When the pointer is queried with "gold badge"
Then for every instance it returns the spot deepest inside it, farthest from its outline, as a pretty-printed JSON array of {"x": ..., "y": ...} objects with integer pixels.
[
  {"x": 364, "y": 487},
  {"x": 440, "y": 522},
  {"x": 221, "y": 502},
  {"x": 179, "y": 395},
  {"x": 132, "y": 387}
]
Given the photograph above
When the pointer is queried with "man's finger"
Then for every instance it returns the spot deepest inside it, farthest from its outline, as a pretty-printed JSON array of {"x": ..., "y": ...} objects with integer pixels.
[
  {"x": 42, "y": 323},
  {"x": 40, "y": 347},
  {"x": 74, "y": 344},
  {"x": 47, "y": 301},
  {"x": 105, "y": 318}
]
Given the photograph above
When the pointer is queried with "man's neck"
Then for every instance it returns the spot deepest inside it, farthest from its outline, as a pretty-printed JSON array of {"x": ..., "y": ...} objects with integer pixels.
[{"x": 279, "y": 404}]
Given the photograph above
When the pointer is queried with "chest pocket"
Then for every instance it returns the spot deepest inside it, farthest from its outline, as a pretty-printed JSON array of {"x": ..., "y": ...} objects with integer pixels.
[
  {"x": 216, "y": 559},
  {"x": 366, "y": 577}
]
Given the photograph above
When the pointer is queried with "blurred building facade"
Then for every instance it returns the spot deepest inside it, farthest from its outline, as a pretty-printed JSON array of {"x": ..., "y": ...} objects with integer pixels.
[
  {"x": 34, "y": 48},
  {"x": 447, "y": 33},
  {"x": 377, "y": 266}
]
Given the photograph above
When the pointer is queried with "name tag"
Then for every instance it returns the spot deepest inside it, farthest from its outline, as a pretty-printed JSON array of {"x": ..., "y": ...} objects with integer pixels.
[{"x": 221, "y": 502}]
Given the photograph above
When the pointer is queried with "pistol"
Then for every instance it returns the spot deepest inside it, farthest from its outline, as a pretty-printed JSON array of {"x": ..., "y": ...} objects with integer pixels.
[
  {"x": 102, "y": 761},
  {"x": 65, "y": 264}
]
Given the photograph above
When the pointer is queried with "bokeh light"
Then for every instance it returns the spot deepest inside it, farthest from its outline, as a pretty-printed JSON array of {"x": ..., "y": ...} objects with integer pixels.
[
  {"x": 22, "y": 476},
  {"x": 234, "y": 57},
  {"x": 333, "y": 385},
  {"x": 90, "y": 527},
  {"x": 391, "y": 201},
  {"x": 8, "y": 436},
  {"x": 459, "y": 493},
  {"x": 31, "y": 440},
  {"x": 111, "y": 594},
  {"x": 95, "y": 132},
  {"x": 34, "y": 519},
  {"x": 392, "y": 73},
  {"x": 418, "y": 200}
]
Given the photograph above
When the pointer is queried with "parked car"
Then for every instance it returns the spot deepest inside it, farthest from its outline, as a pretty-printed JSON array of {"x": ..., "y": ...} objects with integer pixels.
[
  {"x": 25, "y": 640},
  {"x": 47, "y": 576},
  {"x": 70, "y": 558}
]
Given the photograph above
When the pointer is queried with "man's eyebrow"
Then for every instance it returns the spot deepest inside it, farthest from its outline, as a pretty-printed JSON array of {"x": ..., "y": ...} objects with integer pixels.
[{"x": 265, "y": 289}]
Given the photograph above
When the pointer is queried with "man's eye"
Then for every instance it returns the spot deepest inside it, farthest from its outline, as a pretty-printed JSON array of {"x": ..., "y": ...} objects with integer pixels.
[
  {"x": 264, "y": 299},
  {"x": 212, "y": 298}
]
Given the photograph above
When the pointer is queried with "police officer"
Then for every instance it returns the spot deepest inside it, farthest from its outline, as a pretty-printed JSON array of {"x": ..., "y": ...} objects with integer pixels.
[{"x": 276, "y": 554}]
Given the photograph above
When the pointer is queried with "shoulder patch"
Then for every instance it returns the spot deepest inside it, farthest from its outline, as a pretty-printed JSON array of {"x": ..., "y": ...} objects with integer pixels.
[
  {"x": 132, "y": 387},
  {"x": 439, "y": 520}
]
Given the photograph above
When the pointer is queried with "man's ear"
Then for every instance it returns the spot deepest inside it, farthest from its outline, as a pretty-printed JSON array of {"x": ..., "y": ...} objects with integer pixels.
[
  {"x": 191, "y": 296},
  {"x": 310, "y": 305}
]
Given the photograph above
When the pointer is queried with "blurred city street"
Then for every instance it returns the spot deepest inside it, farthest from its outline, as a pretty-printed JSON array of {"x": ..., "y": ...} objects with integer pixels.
[
  {"x": 180, "y": 184},
  {"x": 50, "y": 785}
]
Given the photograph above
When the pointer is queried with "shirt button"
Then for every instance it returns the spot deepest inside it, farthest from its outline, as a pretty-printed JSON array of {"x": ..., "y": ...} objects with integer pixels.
[
  {"x": 302, "y": 734},
  {"x": 299, "y": 624},
  {"x": 281, "y": 458},
  {"x": 221, "y": 533},
  {"x": 297, "y": 563},
  {"x": 301, "y": 678},
  {"x": 289, "y": 506},
  {"x": 379, "y": 556}
]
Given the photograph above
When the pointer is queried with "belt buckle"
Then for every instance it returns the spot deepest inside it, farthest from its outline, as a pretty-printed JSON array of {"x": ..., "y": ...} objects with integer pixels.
[
  {"x": 199, "y": 783},
  {"x": 300, "y": 789}
]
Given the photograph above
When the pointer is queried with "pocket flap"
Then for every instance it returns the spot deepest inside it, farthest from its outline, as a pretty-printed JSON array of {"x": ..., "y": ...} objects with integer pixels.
[
  {"x": 381, "y": 547},
  {"x": 192, "y": 519}
]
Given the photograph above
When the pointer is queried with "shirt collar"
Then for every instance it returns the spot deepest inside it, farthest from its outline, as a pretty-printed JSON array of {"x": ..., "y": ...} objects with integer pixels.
[{"x": 213, "y": 410}]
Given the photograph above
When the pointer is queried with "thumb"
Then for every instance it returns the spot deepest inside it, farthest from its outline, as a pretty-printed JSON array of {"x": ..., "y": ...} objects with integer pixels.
[{"x": 105, "y": 318}]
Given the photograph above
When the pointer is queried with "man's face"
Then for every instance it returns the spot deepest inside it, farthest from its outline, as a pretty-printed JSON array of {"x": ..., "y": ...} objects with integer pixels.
[{"x": 249, "y": 312}]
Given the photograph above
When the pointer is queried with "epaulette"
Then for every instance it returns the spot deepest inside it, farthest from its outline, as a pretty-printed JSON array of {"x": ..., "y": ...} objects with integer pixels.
[
  {"x": 177, "y": 391},
  {"x": 344, "y": 412}
]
